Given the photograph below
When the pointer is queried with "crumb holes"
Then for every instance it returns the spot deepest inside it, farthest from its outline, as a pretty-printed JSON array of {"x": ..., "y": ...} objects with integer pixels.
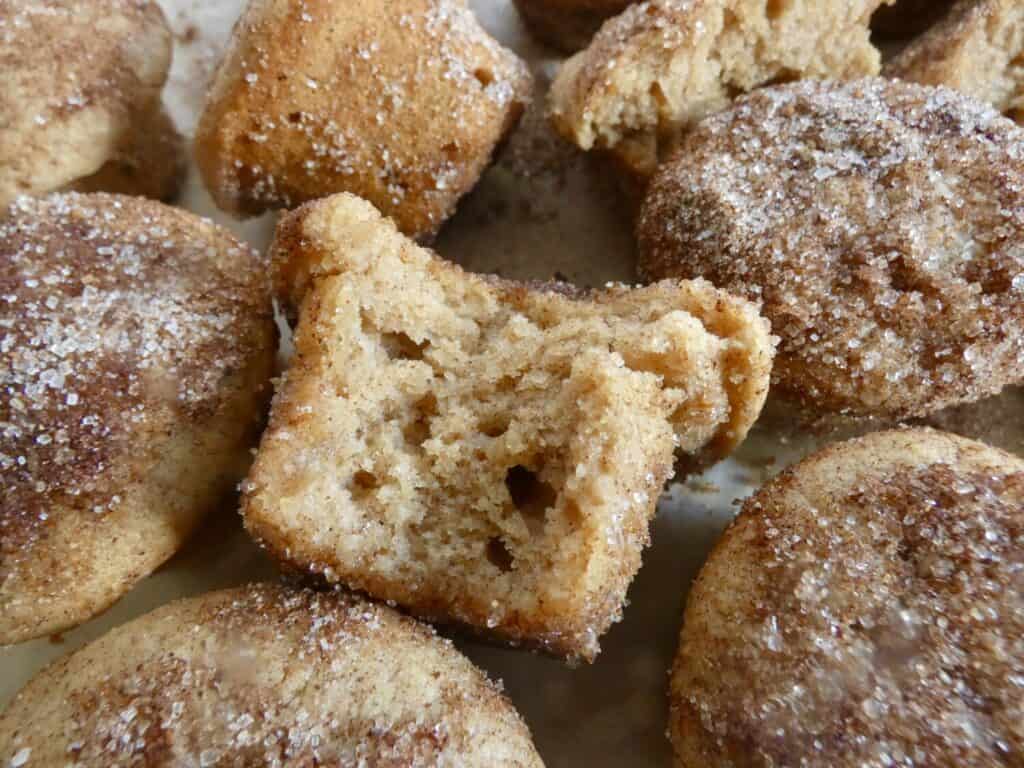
[
  {"x": 495, "y": 425},
  {"x": 417, "y": 431},
  {"x": 531, "y": 495},
  {"x": 484, "y": 76},
  {"x": 658, "y": 94},
  {"x": 450, "y": 150},
  {"x": 295, "y": 117},
  {"x": 400, "y": 346},
  {"x": 498, "y": 554},
  {"x": 363, "y": 484},
  {"x": 775, "y": 8}
]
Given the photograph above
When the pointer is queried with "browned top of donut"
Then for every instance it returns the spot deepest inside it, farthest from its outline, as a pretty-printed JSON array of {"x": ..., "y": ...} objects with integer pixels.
[
  {"x": 119, "y": 317},
  {"x": 266, "y": 676},
  {"x": 879, "y": 222},
  {"x": 867, "y": 608}
]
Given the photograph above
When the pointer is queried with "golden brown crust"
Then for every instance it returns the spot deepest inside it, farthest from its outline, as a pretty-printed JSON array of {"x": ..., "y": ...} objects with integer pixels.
[
  {"x": 976, "y": 49},
  {"x": 80, "y": 97},
  {"x": 137, "y": 346},
  {"x": 878, "y": 222},
  {"x": 485, "y": 452},
  {"x": 265, "y": 676},
  {"x": 567, "y": 24},
  {"x": 399, "y": 101},
  {"x": 662, "y": 65},
  {"x": 865, "y": 609}
]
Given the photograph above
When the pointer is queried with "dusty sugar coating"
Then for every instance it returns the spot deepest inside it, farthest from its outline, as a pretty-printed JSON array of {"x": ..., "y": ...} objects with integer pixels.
[
  {"x": 880, "y": 223},
  {"x": 977, "y": 48},
  {"x": 401, "y": 103},
  {"x": 662, "y": 65},
  {"x": 866, "y": 609},
  {"x": 135, "y": 340},
  {"x": 908, "y": 18},
  {"x": 266, "y": 676},
  {"x": 567, "y": 24},
  {"x": 484, "y": 452},
  {"x": 80, "y": 98}
]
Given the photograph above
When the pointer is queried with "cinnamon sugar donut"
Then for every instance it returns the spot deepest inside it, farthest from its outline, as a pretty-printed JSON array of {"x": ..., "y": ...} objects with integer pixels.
[
  {"x": 978, "y": 48},
  {"x": 136, "y": 345},
  {"x": 401, "y": 102},
  {"x": 661, "y": 66},
  {"x": 865, "y": 609},
  {"x": 80, "y": 99},
  {"x": 265, "y": 677},
  {"x": 880, "y": 223},
  {"x": 567, "y": 24},
  {"x": 483, "y": 452}
]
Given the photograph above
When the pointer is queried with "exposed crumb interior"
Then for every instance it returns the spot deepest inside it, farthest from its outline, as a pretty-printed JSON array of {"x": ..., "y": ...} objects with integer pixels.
[
  {"x": 488, "y": 452},
  {"x": 663, "y": 65},
  {"x": 881, "y": 622}
]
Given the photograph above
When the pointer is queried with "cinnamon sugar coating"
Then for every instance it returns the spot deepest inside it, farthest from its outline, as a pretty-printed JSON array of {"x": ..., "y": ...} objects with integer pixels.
[
  {"x": 267, "y": 677},
  {"x": 80, "y": 99},
  {"x": 401, "y": 102},
  {"x": 136, "y": 345},
  {"x": 865, "y": 609},
  {"x": 880, "y": 223}
]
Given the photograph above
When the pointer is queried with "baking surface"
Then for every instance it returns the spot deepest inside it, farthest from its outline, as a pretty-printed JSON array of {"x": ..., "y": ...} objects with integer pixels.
[{"x": 542, "y": 210}]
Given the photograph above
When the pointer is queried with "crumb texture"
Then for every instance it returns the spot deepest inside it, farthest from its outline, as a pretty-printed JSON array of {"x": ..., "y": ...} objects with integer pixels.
[
  {"x": 80, "y": 99},
  {"x": 866, "y": 609},
  {"x": 977, "y": 48},
  {"x": 401, "y": 102},
  {"x": 268, "y": 677},
  {"x": 481, "y": 451},
  {"x": 662, "y": 65},
  {"x": 880, "y": 223},
  {"x": 133, "y": 340}
]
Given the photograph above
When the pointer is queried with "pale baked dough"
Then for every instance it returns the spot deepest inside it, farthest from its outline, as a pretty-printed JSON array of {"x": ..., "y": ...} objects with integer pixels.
[
  {"x": 485, "y": 452},
  {"x": 865, "y": 609},
  {"x": 80, "y": 99},
  {"x": 881, "y": 225},
  {"x": 136, "y": 350},
  {"x": 567, "y": 24},
  {"x": 265, "y": 677},
  {"x": 401, "y": 102},
  {"x": 661, "y": 66},
  {"x": 977, "y": 48}
]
